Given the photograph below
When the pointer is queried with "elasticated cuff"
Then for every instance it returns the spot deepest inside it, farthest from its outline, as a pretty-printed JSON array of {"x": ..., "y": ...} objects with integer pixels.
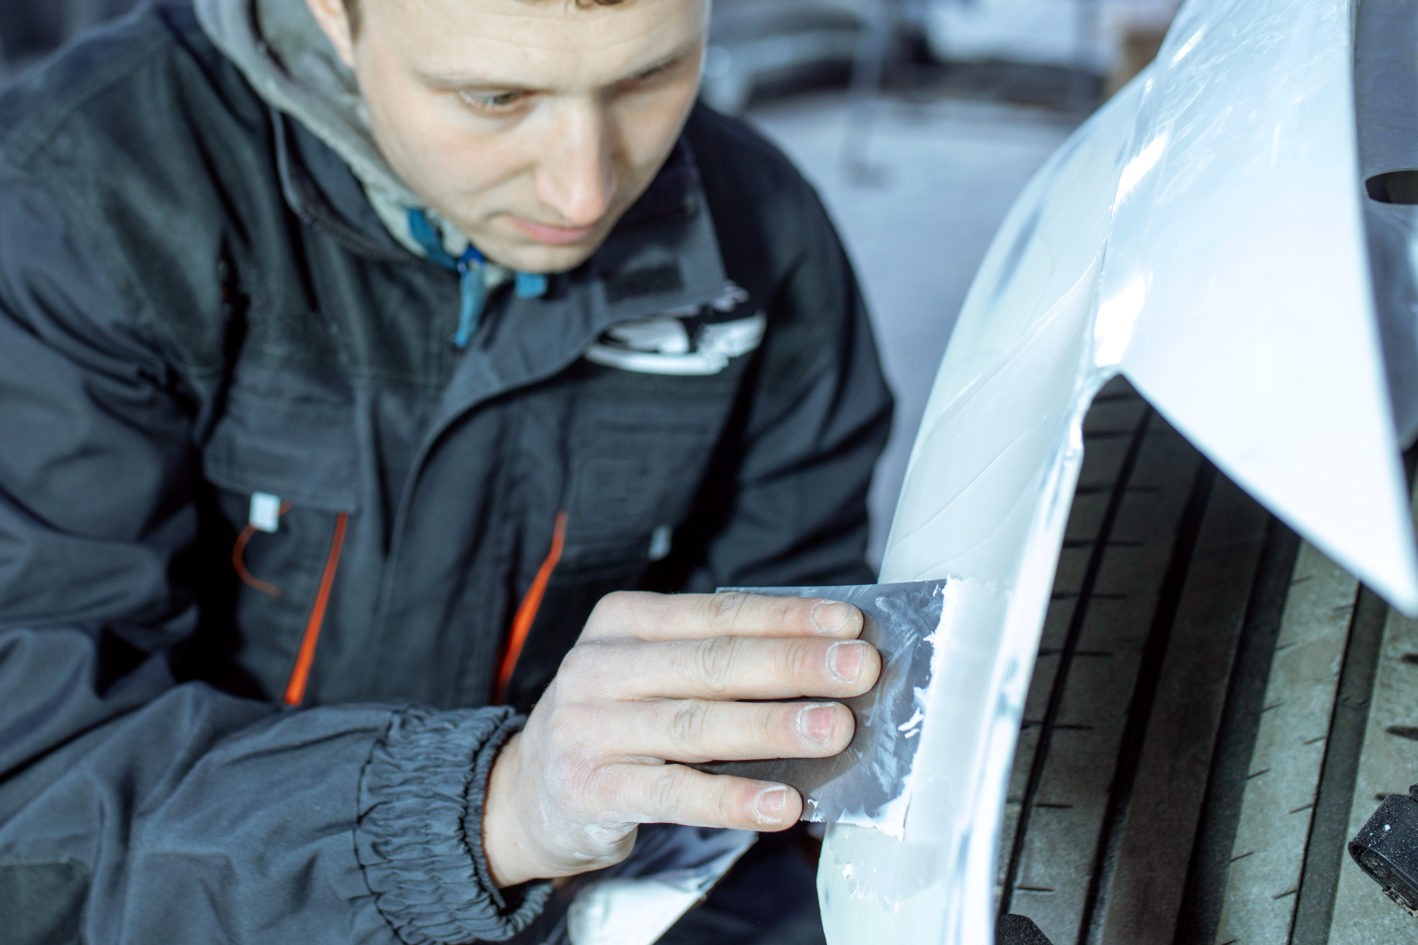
[{"x": 419, "y": 837}]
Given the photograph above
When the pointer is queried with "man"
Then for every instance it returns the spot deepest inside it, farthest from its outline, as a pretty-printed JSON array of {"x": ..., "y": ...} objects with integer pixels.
[{"x": 351, "y": 360}]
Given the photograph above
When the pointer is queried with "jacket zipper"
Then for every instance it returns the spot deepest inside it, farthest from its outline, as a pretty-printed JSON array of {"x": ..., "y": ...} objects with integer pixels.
[
  {"x": 300, "y": 674},
  {"x": 527, "y": 613}
]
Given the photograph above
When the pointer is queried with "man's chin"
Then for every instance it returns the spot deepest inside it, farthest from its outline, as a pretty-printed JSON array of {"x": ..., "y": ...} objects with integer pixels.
[{"x": 544, "y": 259}]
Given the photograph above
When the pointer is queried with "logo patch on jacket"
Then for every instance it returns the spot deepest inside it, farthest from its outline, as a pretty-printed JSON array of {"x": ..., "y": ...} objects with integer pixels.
[{"x": 684, "y": 342}]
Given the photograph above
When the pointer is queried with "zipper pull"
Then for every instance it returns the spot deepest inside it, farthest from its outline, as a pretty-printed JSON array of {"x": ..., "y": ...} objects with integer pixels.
[
  {"x": 531, "y": 285},
  {"x": 472, "y": 290},
  {"x": 265, "y": 513}
]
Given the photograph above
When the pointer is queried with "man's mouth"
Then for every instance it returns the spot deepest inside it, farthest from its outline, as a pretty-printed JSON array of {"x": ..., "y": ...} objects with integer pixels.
[{"x": 552, "y": 234}]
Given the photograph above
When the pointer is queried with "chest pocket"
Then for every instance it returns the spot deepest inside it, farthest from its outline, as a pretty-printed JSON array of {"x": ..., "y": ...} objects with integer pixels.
[
  {"x": 636, "y": 469},
  {"x": 633, "y": 478},
  {"x": 285, "y": 474},
  {"x": 628, "y": 491}
]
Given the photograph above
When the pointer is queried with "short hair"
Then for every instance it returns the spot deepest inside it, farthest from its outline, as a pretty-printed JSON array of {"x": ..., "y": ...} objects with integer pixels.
[{"x": 352, "y": 7}]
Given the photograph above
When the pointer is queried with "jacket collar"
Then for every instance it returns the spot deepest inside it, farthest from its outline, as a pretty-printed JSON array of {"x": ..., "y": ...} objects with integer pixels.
[{"x": 662, "y": 255}]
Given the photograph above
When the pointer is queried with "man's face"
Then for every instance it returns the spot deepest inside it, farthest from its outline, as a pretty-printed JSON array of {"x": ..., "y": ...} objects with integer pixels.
[{"x": 531, "y": 125}]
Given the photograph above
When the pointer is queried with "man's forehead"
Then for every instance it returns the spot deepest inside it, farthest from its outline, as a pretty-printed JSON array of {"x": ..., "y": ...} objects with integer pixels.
[
  {"x": 559, "y": 6},
  {"x": 503, "y": 16},
  {"x": 496, "y": 42}
]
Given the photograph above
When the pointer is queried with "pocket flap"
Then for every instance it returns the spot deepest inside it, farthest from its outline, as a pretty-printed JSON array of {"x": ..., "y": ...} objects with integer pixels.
[{"x": 301, "y": 450}]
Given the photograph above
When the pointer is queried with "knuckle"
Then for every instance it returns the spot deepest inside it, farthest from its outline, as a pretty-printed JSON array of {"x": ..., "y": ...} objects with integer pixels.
[
  {"x": 575, "y": 781},
  {"x": 592, "y": 785},
  {"x": 803, "y": 659},
  {"x": 585, "y": 664},
  {"x": 597, "y": 787},
  {"x": 572, "y": 760},
  {"x": 617, "y": 611},
  {"x": 713, "y": 662},
  {"x": 791, "y": 611},
  {"x": 614, "y": 840},
  {"x": 728, "y": 607},
  {"x": 774, "y": 722},
  {"x": 611, "y": 608},
  {"x": 592, "y": 669},
  {"x": 577, "y": 746},
  {"x": 735, "y": 806},
  {"x": 577, "y": 661},
  {"x": 665, "y": 795},
  {"x": 687, "y": 723}
]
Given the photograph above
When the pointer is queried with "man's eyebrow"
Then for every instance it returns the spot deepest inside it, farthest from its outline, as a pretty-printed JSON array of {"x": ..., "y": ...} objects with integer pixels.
[
  {"x": 674, "y": 57},
  {"x": 457, "y": 80}
]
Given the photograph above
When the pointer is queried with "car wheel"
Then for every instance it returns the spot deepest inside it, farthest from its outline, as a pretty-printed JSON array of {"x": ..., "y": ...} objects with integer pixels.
[{"x": 1216, "y": 710}]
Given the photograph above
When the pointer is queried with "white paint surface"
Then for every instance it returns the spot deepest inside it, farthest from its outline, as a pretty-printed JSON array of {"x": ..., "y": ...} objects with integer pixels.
[{"x": 1201, "y": 234}]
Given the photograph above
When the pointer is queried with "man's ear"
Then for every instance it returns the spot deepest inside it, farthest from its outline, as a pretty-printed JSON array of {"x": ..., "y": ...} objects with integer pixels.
[{"x": 334, "y": 19}]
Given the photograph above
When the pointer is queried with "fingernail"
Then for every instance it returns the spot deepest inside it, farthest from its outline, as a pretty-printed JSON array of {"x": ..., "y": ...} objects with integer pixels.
[
  {"x": 768, "y": 807},
  {"x": 845, "y": 660},
  {"x": 830, "y": 616},
  {"x": 817, "y": 722}
]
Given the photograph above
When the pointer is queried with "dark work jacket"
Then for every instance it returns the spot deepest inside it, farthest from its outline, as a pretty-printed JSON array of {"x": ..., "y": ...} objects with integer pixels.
[{"x": 264, "y": 530}]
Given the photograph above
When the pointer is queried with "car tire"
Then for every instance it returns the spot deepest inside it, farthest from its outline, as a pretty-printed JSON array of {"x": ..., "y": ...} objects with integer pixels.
[{"x": 1216, "y": 709}]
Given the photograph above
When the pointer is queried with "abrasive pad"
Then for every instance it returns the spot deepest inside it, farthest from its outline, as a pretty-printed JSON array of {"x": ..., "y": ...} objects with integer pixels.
[{"x": 864, "y": 784}]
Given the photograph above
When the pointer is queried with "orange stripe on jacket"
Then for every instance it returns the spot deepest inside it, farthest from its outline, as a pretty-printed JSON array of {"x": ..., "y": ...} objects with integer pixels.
[
  {"x": 300, "y": 675},
  {"x": 527, "y": 611}
]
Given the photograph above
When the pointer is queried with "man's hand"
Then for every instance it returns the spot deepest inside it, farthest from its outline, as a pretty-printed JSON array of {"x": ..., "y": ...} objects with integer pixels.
[{"x": 656, "y": 680}]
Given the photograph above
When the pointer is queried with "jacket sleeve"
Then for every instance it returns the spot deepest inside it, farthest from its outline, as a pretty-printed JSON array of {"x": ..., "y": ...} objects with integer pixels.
[
  {"x": 810, "y": 431},
  {"x": 135, "y": 808}
]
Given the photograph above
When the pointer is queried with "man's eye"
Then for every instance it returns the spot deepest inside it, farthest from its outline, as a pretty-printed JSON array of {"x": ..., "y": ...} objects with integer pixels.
[
  {"x": 654, "y": 76},
  {"x": 493, "y": 103}
]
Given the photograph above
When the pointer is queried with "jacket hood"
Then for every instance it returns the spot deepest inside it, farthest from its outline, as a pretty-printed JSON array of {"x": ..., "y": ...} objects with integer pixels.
[{"x": 287, "y": 58}]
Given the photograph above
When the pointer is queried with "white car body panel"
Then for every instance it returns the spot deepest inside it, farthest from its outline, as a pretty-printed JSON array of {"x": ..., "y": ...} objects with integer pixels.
[{"x": 1202, "y": 235}]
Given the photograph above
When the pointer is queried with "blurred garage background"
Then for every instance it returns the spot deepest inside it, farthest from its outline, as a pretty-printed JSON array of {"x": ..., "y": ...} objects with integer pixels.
[{"x": 919, "y": 121}]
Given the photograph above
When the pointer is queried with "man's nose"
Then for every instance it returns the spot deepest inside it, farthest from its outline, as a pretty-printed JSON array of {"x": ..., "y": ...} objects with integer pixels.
[{"x": 576, "y": 178}]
